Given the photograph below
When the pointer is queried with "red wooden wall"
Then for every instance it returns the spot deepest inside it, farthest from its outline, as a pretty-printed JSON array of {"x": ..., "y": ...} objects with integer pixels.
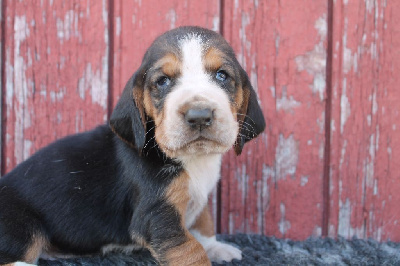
[{"x": 325, "y": 71}]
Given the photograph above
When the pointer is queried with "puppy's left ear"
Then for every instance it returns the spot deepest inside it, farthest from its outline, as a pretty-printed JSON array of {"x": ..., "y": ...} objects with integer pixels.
[
  {"x": 128, "y": 119},
  {"x": 250, "y": 117}
]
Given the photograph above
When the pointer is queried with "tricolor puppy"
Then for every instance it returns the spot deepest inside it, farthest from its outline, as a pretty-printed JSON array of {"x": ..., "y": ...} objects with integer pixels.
[{"x": 143, "y": 180}]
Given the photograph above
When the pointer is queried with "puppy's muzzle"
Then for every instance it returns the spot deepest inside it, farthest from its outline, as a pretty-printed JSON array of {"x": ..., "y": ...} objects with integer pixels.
[{"x": 199, "y": 118}]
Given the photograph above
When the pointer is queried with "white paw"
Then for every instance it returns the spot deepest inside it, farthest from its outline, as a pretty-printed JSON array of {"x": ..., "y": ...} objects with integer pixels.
[
  {"x": 220, "y": 252},
  {"x": 20, "y": 263}
]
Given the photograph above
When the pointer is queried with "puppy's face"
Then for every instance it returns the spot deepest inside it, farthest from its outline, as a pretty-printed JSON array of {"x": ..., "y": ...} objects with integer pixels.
[{"x": 192, "y": 88}]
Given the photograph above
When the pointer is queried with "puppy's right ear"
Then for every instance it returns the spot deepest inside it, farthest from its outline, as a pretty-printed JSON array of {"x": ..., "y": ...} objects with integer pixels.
[{"x": 128, "y": 119}]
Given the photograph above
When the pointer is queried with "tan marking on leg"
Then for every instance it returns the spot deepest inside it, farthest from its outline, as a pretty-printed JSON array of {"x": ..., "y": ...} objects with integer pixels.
[
  {"x": 35, "y": 249},
  {"x": 177, "y": 194},
  {"x": 139, "y": 239},
  {"x": 191, "y": 252},
  {"x": 204, "y": 223}
]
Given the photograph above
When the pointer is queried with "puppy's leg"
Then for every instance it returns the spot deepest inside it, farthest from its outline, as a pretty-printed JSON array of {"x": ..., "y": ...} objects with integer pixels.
[
  {"x": 21, "y": 236},
  {"x": 170, "y": 242},
  {"x": 203, "y": 231},
  {"x": 167, "y": 237}
]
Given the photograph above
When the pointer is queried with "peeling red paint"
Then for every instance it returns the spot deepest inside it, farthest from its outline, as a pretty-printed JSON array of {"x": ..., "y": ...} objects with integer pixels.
[
  {"x": 66, "y": 63},
  {"x": 288, "y": 71},
  {"x": 365, "y": 171},
  {"x": 49, "y": 46}
]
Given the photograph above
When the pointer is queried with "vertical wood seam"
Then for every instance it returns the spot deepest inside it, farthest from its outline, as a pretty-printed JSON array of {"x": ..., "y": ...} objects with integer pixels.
[
  {"x": 328, "y": 116},
  {"x": 219, "y": 186},
  {"x": 110, "y": 58}
]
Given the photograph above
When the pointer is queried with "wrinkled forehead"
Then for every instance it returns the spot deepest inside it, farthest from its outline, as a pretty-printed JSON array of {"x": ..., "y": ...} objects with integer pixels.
[{"x": 187, "y": 47}]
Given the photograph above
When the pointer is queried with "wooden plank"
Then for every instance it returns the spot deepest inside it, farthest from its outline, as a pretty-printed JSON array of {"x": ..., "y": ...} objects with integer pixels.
[
  {"x": 137, "y": 23},
  {"x": 365, "y": 122},
  {"x": 275, "y": 186},
  {"x": 56, "y": 72}
]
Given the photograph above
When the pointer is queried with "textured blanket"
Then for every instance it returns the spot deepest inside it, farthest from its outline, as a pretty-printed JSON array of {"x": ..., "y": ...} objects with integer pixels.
[{"x": 261, "y": 250}]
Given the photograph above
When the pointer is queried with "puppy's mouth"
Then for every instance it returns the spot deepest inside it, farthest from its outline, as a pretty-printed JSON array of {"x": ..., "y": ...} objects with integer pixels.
[
  {"x": 199, "y": 144},
  {"x": 200, "y": 139}
]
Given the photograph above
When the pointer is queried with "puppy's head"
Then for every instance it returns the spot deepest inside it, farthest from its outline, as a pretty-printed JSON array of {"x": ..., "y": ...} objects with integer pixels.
[{"x": 190, "y": 96}]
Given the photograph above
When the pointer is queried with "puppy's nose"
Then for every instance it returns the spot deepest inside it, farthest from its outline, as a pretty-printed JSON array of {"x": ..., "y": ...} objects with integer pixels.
[{"x": 199, "y": 118}]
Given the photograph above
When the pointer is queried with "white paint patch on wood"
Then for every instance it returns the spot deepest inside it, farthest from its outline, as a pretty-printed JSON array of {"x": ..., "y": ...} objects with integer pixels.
[
  {"x": 304, "y": 180},
  {"x": 27, "y": 149},
  {"x": 317, "y": 232},
  {"x": 285, "y": 103},
  {"x": 67, "y": 27},
  {"x": 314, "y": 62},
  {"x": 20, "y": 88},
  {"x": 344, "y": 107},
  {"x": 342, "y": 154},
  {"x": 245, "y": 48},
  {"x": 216, "y": 23},
  {"x": 118, "y": 26},
  {"x": 57, "y": 96},
  {"x": 344, "y": 226},
  {"x": 96, "y": 82},
  {"x": 347, "y": 60},
  {"x": 171, "y": 16},
  {"x": 369, "y": 163},
  {"x": 286, "y": 157},
  {"x": 283, "y": 224},
  {"x": 9, "y": 69}
]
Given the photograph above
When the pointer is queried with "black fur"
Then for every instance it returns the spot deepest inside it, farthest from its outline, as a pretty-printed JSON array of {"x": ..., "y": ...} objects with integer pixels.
[
  {"x": 79, "y": 192},
  {"x": 253, "y": 120}
]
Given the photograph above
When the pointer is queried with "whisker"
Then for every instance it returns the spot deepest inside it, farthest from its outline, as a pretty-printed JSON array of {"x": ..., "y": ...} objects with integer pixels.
[
  {"x": 247, "y": 117},
  {"x": 244, "y": 136},
  {"x": 147, "y": 143},
  {"x": 148, "y": 131},
  {"x": 244, "y": 122},
  {"x": 243, "y": 126}
]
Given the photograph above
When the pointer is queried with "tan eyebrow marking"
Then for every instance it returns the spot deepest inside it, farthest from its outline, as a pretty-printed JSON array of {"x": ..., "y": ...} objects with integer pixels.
[
  {"x": 213, "y": 59},
  {"x": 170, "y": 65}
]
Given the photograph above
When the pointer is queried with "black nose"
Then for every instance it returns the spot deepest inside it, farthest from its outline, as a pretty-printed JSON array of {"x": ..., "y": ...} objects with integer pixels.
[{"x": 199, "y": 118}]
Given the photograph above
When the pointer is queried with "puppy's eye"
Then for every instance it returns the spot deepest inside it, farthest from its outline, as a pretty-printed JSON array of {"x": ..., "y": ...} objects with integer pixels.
[
  {"x": 163, "y": 82},
  {"x": 221, "y": 75}
]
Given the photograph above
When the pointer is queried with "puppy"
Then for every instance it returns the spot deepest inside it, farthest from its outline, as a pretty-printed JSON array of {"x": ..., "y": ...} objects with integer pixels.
[{"x": 144, "y": 179}]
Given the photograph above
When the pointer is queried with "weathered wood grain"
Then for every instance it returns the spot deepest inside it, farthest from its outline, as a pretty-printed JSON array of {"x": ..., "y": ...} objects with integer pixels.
[
  {"x": 275, "y": 186},
  {"x": 365, "y": 142},
  {"x": 56, "y": 72},
  {"x": 65, "y": 64}
]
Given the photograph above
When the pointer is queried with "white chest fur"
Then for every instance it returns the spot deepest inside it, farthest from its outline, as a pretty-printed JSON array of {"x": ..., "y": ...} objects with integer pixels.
[{"x": 204, "y": 173}]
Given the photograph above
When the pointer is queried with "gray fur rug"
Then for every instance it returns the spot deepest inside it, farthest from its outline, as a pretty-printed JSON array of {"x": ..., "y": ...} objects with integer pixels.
[{"x": 262, "y": 250}]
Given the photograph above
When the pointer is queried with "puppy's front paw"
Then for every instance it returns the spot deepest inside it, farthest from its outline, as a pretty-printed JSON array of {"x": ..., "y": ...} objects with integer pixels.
[{"x": 220, "y": 252}]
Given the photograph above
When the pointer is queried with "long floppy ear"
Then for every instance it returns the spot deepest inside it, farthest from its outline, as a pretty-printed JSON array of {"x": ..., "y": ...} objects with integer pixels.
[
  {"x": 128, "y": 119},
  {"x": 250, "y": 117}
]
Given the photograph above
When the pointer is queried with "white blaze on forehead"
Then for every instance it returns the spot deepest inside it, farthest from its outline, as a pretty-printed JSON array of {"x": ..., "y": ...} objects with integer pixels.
[{"x": 192, "y": 52}]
